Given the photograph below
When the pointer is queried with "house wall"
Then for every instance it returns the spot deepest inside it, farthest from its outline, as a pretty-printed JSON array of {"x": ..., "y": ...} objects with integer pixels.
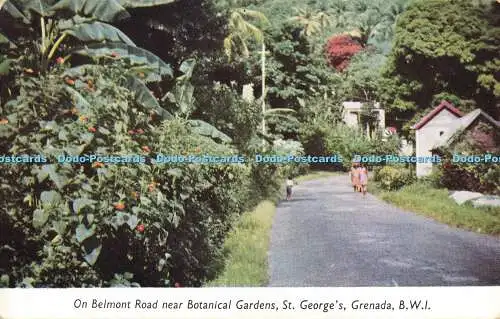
[
  {"x": 353, "y": 109},
  {"x": 436, "y": 130}
]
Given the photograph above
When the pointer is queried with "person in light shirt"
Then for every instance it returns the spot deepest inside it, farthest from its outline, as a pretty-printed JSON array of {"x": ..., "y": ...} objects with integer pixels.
[{"x": 289, "y": 186}]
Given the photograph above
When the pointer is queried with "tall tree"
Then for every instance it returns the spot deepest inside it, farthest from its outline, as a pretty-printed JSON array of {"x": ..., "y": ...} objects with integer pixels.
[
  {"x": 455, "y": 51},
  {"x": 312, "y": 22},
  {"x": 240, "y": 31}
]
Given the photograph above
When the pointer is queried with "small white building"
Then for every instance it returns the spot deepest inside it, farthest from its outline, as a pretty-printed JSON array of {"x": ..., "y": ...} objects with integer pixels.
[
  {"x": 352, "y": 112},
  {"x": 438, "y": 128}
]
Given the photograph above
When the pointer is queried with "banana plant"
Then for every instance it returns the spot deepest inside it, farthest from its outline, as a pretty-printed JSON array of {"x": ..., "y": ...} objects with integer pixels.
[
  {"x": 88, "y": 23},
  {"x": 182, "y": 98}
]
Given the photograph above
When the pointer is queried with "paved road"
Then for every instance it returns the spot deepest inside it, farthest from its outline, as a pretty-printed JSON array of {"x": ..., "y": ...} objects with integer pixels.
[{"x": 327, "y": 235}]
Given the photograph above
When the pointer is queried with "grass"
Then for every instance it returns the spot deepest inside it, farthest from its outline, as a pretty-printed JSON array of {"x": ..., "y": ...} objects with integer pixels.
[
  {"x": 316, "y": 175},
  {"x": 246, "y": 248},
  {"x": 435, "y": 203},
  {"x": 247, "y": 244}
]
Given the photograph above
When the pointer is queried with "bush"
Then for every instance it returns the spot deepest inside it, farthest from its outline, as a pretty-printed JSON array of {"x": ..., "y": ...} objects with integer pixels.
[
  {"x": 394, "y": 177},
  {"x": 290, "y": 147},
  {"x": 83, "y": 225},
  {"x": 483, "y": 178}
]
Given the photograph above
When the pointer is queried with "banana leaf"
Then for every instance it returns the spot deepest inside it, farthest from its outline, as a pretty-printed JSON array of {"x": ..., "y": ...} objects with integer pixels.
[
  {"x": 206, "y": 129},
  {"x": 144, "y": 97},
  {"x": 23, "y": 9},
  {"x": 4, "y": 39},
  {"x": 5, "y": 66},
  {"x": 98, "y": 32},
  {"x": 143, "y": 3},
  {"x": 136, "y": 55},
  {"x": 107, "y": 11}
]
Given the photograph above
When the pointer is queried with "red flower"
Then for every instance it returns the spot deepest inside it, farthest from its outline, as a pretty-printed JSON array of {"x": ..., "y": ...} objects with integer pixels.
[
  {"x": 97, "y": 165},
  {"x": 146, "y": 149},
  {"x": 119, "y": 206},
  {"x": 92, "y": 129},
  {"x": 140, "y": 228},
  {"x": 177, "y": 285},
  {"x": 70, "y": 81},
  {"x": 131, "y": 132},
  {"x": 60, "y": 60},
  {"x": 140, "y": 131},
  {"x": 340, "y": 49}
]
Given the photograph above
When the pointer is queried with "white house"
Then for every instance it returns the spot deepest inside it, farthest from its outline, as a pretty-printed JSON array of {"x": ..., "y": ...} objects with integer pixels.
[
  {"x": 351, "y": 116},
  {"x": 438, "y": 128},
  {"x": 352, "y": 112}
]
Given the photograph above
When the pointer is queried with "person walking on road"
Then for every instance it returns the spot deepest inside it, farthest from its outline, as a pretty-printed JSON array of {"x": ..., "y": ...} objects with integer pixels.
[
  {"x": 363, "y": 178},
  {"x": 289, "y": 186},
  {"x": 355, "y": 177}
]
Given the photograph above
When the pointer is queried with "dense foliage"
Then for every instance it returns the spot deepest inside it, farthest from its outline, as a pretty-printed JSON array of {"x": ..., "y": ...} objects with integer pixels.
[
  {"x": 482, "y": 138},
  {"x": 444, "y": 46},
  {"x": 149, "y": 77},
  {"x": 102, "y": 223}
]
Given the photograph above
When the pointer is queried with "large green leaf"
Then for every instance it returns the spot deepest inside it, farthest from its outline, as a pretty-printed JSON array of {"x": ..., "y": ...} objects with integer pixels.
[
  {"x": 81, "y": 104},
  {"x": 59, "y": 180},
  {"x": 3, "y": 39},
  {"x": 80, "y": 203},
  {"x": 50, "y": 198},
  {"x": 40, "y": 217},
  {"x": 107, "y": 11},
  {"x": 98, "y": 32},
  {"x": 144, "y": 97},
  {"x": 206, "y": 129},
  {"x": 5, "y": 66},
  {"x": 183, "y": 96},
  {"x": 23, "y": 9},
  {"x": 83, "y": 233},
  {"x": 136, "y": 55},
  {"x": 93, "y": 256},
  {"x": 187, "y": 67},
  {"x": 144, "y": 3}
]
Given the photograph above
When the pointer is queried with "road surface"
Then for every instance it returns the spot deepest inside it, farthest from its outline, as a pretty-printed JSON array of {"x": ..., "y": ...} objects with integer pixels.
[{"x": 329, "y": 236}]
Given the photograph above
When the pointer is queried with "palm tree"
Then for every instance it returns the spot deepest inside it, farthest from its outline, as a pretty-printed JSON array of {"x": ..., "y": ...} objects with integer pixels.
[
  {"x": 312, "y": 22},
  {"x": 374, "y": 20},
  {"x": 240, "y": 31}
]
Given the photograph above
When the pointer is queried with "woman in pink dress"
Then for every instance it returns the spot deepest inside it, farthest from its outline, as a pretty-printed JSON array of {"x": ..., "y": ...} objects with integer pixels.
[
  {"x": 355, "y": 177},
  {"x": 363, "y": 178}
]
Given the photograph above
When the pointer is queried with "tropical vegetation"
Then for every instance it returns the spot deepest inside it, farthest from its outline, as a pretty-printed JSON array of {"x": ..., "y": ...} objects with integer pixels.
[{"x": 124, "y": 77}]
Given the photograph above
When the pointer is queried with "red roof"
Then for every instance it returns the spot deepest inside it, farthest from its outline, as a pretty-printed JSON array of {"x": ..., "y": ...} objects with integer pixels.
[{"x": 436, "y": 111}]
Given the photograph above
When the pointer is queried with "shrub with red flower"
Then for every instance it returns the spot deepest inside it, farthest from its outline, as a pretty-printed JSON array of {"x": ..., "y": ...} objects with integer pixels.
[{"x": 340, "y": 49}]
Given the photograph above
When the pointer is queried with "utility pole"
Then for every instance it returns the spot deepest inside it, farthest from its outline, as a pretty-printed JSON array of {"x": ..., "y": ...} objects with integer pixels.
[{"x": 263, "y": 59}]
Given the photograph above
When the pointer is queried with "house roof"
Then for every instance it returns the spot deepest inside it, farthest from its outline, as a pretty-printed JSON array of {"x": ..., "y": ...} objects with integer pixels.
[
  {"x": 463, "y": 123},
  {"x": 442, "y": 106}
]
